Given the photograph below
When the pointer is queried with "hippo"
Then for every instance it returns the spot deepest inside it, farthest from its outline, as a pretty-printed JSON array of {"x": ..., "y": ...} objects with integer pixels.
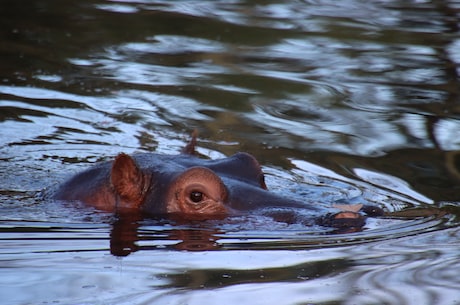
[{"x": 187, "y": 187}]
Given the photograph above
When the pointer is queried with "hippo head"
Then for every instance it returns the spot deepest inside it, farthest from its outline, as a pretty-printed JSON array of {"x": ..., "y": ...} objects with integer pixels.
[{"x": 188, "y": 187}]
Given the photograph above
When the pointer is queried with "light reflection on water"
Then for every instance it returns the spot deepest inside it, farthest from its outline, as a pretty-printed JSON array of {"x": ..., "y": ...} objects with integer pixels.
[
  {"x": 372, "y": 272},
  {"x": 341, "y": 102}
]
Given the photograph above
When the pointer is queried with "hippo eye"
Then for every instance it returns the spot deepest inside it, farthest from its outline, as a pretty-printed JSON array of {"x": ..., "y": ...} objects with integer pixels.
[{"x": 196, "y": 196}]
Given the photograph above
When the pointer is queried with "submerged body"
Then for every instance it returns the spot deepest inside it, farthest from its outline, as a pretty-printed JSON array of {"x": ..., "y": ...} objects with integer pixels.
[{"x": 188, "y": 187}]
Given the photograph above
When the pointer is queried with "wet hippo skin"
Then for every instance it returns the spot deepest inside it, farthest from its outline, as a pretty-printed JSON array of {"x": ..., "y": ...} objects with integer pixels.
[{"x": 187, "y": 187}]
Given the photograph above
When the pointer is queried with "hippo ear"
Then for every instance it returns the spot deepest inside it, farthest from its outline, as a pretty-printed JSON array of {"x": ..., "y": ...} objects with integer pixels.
[
  {"x": 189, "y": 149},
  {"x": 128, "y": 181}
]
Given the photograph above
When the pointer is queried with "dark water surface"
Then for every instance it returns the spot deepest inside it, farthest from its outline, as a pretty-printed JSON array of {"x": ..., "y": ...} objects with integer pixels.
[{"x": 341, "y": 101}]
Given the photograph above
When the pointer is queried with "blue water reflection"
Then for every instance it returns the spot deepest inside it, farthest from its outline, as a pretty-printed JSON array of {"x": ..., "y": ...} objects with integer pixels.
[{"x": 341, "y": 102}]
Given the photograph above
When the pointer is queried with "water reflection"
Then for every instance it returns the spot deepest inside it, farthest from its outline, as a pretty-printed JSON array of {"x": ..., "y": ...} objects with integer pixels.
[
  {"x": 128, "y": 236},
  {"x": 132, "y": 233},
  {"x": 369, "y": 272},
  {"x": 417, "y": 273},
  {"x": 430, "y": 174},
  {"x": 344, "y": 101}
]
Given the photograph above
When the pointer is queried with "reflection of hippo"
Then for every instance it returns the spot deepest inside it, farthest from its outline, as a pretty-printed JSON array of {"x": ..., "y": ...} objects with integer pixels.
[{"x": 186, "y": 187}]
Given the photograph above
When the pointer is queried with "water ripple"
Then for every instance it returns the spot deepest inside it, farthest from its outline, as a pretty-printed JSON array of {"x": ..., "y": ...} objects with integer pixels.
[
  {"x": 402, "y": 271},
  {"x": 342, "y": 102}
]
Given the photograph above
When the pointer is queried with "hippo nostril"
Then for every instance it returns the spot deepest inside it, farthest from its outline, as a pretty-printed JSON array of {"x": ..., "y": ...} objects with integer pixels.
[{"x": 196, "y": 196}]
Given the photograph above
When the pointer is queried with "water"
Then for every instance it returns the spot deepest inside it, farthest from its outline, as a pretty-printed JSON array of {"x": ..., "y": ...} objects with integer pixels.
[{"x": 344, "y": 101}]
